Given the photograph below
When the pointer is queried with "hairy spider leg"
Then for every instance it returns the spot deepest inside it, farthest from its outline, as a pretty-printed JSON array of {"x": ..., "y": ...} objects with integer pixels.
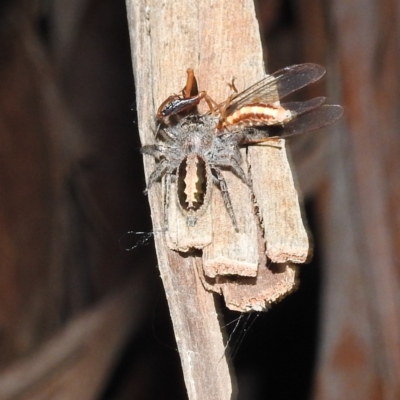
[
  {"x": 234, "y": 167},
  {"x": 167, "y": 190},
  {"x": 154, "y": 150},
  {"x": 157, "y": 173},
  {"x": 221, "y": 183}
]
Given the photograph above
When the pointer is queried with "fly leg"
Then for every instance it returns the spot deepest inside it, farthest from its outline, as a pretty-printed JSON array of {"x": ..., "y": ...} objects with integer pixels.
[{"x": 189, "y": 99}]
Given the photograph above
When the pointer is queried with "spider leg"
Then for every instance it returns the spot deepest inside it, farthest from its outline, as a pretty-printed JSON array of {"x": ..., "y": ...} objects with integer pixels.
[
  {"x": 152, "y": 150},
  {"x": 167, "y": 134},
  {"x": 234, "y": 166},
  {"x": 167, "y": 188},
  {"x": 225, "y": 196},
  {"x": 157, "y": 174}
]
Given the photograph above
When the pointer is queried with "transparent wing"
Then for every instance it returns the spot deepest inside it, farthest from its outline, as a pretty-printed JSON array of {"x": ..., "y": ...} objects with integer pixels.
[
  {"x": 315, "y": 119},
  {"x": 308, "y": 121},
  {"x": 276, "y": 86},
  {"x": 300, "y": 107}
]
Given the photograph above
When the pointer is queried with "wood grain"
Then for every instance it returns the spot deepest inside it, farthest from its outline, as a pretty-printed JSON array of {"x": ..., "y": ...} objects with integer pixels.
[
  {"x": 165, "y": 41},
  {"x": 233, "y": 253},
  {"x": 285, "y": 235},
  {"x": 219, "y": 40}
]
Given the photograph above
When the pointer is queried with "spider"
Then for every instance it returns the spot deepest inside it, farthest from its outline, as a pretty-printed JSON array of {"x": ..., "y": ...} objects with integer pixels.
[
  {"x": 195, "y": 155},
  {"x": 194, "y": 149}
]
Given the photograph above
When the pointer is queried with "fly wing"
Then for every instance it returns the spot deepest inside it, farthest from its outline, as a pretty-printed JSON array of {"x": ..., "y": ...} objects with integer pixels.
[
  {"x": 315, "y": 119},
  {"x": 297, "y": 108},
  {"x": 276, "y": 86},
  {"x": 309, "y": 121}
]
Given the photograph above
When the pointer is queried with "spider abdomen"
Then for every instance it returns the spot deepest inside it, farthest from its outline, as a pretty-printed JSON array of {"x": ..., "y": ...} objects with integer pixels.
[{"x": 193, "y": 184}]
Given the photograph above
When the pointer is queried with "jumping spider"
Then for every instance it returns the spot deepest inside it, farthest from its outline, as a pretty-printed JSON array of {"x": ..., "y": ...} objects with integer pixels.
[{"x": 194, "y": 149}]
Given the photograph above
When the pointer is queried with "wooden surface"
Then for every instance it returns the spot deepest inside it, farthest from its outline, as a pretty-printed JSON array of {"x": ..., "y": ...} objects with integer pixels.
[
  {"x": 279, "y": 212},
  {"x": 233, "y": 253},
  {"x": 218, "y": 40},
  {"x": 161, "y": 53}
]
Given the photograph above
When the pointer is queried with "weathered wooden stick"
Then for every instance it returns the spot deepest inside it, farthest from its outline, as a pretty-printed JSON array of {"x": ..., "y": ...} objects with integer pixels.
[
  {"x": 165, "y": 41},
  {"x": 219, "y": 40},
  {"x": 285, "y": 235}
]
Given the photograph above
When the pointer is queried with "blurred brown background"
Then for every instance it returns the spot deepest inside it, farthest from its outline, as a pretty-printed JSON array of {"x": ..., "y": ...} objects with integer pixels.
[{"x": 82, "y": 318}]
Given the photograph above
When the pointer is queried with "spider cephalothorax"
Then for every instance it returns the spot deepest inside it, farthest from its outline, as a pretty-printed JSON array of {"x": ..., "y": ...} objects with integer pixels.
[
  {"x": 193, "y": 154},
  {"x": 194, "y": 149}
]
